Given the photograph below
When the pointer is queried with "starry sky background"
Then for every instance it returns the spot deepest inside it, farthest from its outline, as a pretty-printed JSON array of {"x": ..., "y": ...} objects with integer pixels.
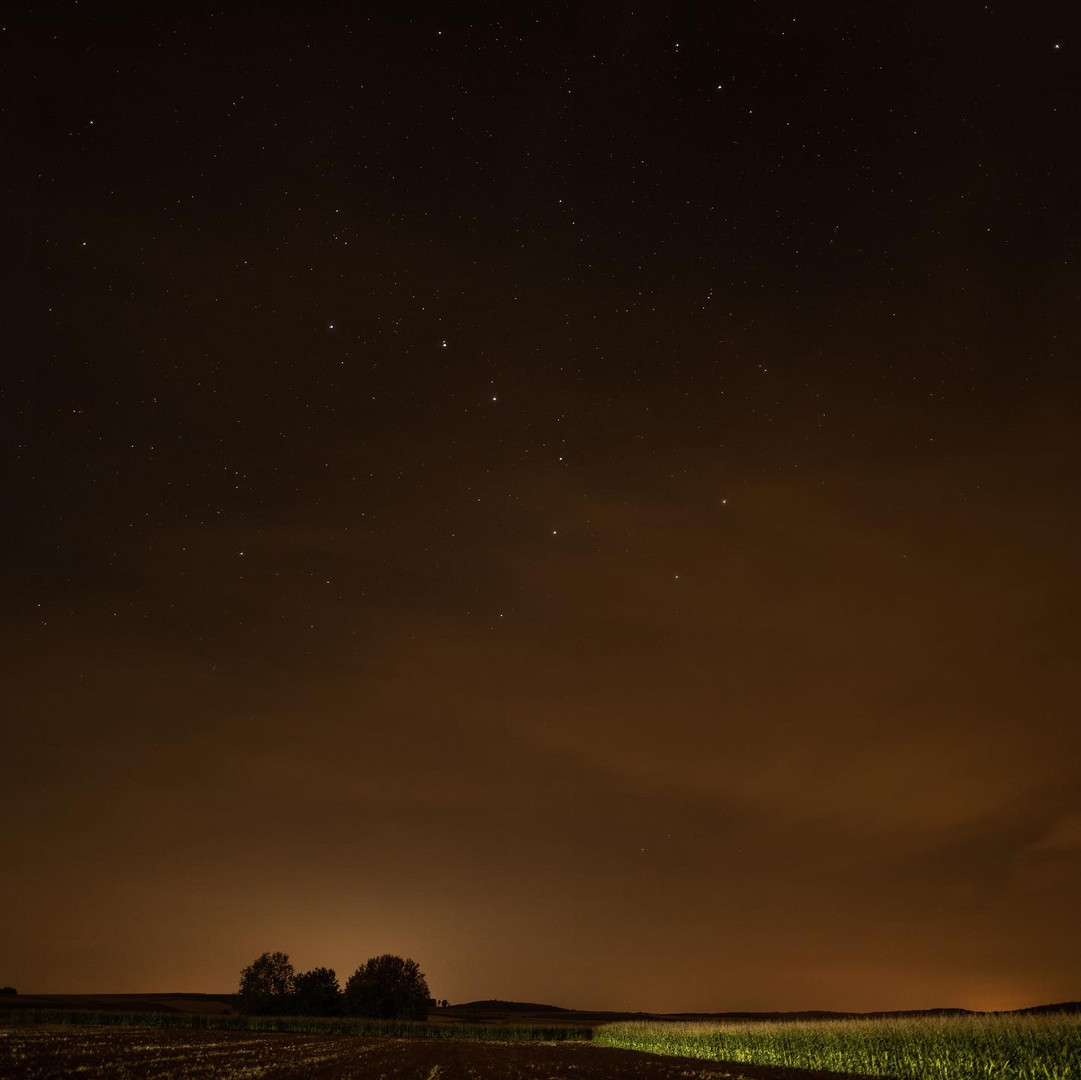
[{"x": 584, "y": 497}]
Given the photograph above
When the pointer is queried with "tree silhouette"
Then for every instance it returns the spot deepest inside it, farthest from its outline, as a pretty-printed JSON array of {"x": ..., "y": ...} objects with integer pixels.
[
  {"x": 317, "y": 993},
  {"x": 8, "y": 991},
  {"x": 266, "y": 987},
  {"x": 389, "y": 987}
]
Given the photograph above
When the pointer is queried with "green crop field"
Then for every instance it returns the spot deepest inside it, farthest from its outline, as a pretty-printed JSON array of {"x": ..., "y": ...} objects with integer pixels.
[{"x": 986, "y": 1047}]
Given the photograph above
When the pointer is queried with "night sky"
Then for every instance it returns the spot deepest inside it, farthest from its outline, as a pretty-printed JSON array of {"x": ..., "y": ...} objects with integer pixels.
[{"x": 584, "y": 497}]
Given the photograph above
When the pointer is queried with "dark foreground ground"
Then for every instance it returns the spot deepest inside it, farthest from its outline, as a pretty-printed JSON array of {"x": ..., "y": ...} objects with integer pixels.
[{"x": 46, "y": 1052}]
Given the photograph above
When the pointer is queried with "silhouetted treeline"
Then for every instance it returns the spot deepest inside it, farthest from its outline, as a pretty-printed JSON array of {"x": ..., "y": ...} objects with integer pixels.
[
  {"x": 386, "y": 986},
  {"x": 8, "y": 991}
]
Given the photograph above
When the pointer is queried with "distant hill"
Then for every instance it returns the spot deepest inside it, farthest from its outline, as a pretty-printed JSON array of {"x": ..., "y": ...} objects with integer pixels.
[
  {"x": 1062, "y": 1006},
  {"x": 495, "y": 1005},
  {"x": 210, "y": 1004},
  {"x": 495, "y": 1010}
]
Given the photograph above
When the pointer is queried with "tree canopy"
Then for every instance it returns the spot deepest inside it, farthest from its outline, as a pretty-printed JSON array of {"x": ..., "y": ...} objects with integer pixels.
[
  {"x": 386, "y": 987},
  {"x": 389, "y": 987},
  {"x": 266, "y": 986},
  {"x": 317, "y": 993}
]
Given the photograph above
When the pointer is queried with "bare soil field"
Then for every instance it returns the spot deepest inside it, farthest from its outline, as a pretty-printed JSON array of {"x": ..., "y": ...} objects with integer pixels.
[{"x": 47, "y": 1052}]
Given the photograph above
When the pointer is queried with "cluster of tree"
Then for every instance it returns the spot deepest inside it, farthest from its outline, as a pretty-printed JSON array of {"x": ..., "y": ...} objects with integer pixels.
[
  {"x": 8, "y": 991},
  {"x": 385, "y": 986}
]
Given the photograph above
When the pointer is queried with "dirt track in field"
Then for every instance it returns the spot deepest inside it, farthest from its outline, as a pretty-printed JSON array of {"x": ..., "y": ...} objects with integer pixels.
[{"x": 59, "y": 1052}]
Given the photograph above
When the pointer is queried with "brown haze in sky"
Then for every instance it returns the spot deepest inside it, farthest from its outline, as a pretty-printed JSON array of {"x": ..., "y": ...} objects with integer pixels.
[
  {"x": 830, "y": 764},
  {"x": 590, "y": 504}
]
